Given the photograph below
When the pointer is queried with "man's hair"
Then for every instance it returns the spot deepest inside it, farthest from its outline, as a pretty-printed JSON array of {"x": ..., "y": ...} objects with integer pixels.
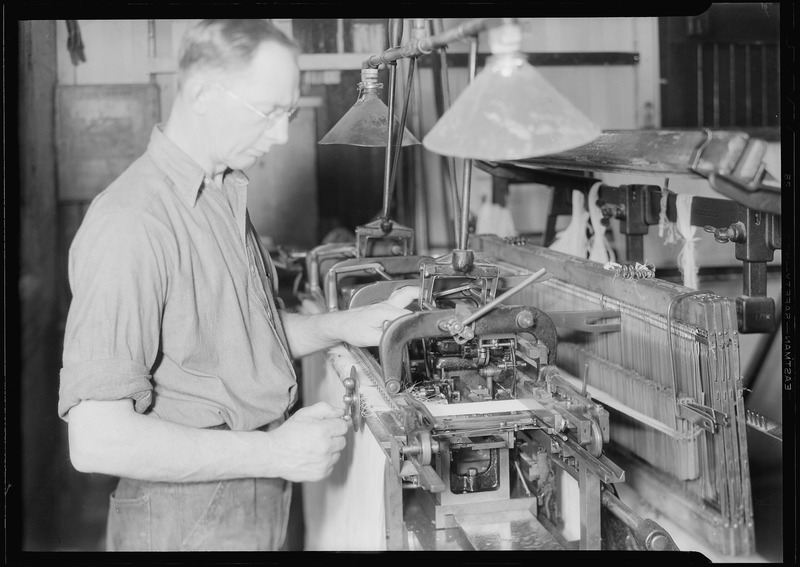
[{"x": 227, "y": 45}]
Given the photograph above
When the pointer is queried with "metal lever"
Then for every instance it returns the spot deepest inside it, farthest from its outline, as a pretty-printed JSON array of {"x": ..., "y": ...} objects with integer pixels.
[
  {"x": 458, "y": 328},
  {"x": 648, "y": 533}
]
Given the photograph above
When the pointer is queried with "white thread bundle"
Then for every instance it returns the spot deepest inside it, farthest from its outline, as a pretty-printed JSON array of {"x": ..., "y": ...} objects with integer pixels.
[
  {"x": 599, "y": 249},
  {"x": 664, "y": 225},
  {"x": 573, "y": 240},
  {"x": 494, "y": 218},
  {"x": 687, "y": 257}
]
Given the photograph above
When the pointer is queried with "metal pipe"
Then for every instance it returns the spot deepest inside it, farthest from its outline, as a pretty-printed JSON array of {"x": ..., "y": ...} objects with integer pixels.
[
  {"x": 422, "y": 46},
  {"x": 467, "y": 177},
  {"x": 444, "y": 81},
  {"x": 419, "y": 29},
  {"x": 395, "y": 33}
]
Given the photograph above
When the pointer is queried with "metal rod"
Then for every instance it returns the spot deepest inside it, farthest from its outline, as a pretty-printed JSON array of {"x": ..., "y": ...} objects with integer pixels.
[
  {"x": 395, "y": 33},
  {"x": 700, "y": 117},
  {"x": 715, "y": 83},
  {"x": 748, "y": 92},
  {"x": 495, "y": 302},
  {"x": 764, "y": 120},
  {"x": 650, "y": 535},
  {"x": 151, "y": 45},
  {"x": 585, "y": 381},
  {"x": 421, "y": 205},
  {"x": 444, "y": 82},
  {"x": 732, "y": 65},
  {"x": 467, "y": 177},
  {"x": 402, "y": 129}
]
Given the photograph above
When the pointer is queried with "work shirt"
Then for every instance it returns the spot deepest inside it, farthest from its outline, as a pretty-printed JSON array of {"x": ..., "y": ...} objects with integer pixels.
[{"x": 172, "y": 300}]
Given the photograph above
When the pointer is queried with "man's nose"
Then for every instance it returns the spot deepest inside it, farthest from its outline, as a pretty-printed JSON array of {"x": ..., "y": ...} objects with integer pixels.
[{"x": 278, "y": 133}]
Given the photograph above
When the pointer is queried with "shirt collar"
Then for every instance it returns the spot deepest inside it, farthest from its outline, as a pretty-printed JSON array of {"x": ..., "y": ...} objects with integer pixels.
[{"x": 185, "y": 173}]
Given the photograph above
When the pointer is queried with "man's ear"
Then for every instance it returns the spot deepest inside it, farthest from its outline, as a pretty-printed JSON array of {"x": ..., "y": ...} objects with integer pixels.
[{"x": 199, "y": 93}]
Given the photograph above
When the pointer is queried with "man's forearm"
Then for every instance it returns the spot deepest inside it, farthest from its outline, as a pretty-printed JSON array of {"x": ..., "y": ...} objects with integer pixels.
[
  {"x": 111, "y": 438},
  {"x": 359, "y": 326},
  {"x": 311, "y": 333}
]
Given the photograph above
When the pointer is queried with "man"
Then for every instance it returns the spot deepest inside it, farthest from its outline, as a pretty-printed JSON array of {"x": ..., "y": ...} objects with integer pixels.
[{"x": 178, "y": 368}]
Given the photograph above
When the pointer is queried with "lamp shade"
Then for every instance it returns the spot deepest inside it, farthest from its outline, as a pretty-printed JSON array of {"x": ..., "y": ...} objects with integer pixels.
[
  {"x": 509, "y": 111},
  {"x": 366, "y": 123}
]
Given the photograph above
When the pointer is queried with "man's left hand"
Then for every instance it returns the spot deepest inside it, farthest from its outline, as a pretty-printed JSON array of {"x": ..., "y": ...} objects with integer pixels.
[{"x": 364, "y": 326}]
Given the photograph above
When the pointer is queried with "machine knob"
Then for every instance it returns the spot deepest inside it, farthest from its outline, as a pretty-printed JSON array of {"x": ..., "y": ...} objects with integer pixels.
[
  {"x": 733, "y": 233},
  {"x": 352, "y": 400}
]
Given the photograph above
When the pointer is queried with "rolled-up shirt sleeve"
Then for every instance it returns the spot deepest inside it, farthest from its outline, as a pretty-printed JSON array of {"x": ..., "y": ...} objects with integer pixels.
[{"x": 118, "y": 272}]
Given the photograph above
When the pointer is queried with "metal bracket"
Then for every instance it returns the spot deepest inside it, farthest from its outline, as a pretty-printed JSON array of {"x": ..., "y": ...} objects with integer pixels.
[
  {"x": 398, "y": 238},
  {"x": 706, "y": 417},
  {"x": 764, "y": 424}
]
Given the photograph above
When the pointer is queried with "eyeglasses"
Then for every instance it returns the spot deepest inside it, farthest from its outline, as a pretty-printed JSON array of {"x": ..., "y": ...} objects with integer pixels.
[{"x": 270, "y": 117}]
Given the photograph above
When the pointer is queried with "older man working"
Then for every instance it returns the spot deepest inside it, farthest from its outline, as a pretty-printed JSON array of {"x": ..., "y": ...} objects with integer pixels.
[{"x": 177, "y": 373}]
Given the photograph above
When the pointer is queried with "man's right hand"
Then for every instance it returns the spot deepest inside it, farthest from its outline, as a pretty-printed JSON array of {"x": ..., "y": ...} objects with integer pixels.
[{"x": 309, "y": 443}]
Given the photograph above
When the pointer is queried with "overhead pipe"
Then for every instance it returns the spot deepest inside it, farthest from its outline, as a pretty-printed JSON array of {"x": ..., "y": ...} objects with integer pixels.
[
  {"x": 417, "y": 47},
  {"x": 444, "y": 83},
  {"x": 466, "y": 182}
]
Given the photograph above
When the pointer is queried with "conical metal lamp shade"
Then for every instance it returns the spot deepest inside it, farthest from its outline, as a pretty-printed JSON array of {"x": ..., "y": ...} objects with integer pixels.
[
  {"x": 509, "y": 111},
  {"x": 366, "y": 124}
]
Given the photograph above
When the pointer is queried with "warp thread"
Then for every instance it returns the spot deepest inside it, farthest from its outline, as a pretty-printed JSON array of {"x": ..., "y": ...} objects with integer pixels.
[
  {"x": 687, "y": 257},
  {"x": 681, "y": 229},
  {"x": 366, "y": 407},
  {"x": 494, "y": 218},
  {"x": 664, "y": 224}
]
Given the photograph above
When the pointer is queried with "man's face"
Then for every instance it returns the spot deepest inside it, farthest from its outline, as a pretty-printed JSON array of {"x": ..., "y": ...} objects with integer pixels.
[{"x": 239, "y": 135}]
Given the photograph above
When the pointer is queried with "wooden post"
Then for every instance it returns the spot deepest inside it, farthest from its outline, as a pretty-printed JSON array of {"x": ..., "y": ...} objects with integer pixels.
[{"x": 40, "y": 342}]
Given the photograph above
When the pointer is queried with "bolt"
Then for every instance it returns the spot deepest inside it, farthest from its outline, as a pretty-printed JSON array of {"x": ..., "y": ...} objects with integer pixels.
[
  {"x": 658, "y": 542},
  {"x": 524, "y": 319}
]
